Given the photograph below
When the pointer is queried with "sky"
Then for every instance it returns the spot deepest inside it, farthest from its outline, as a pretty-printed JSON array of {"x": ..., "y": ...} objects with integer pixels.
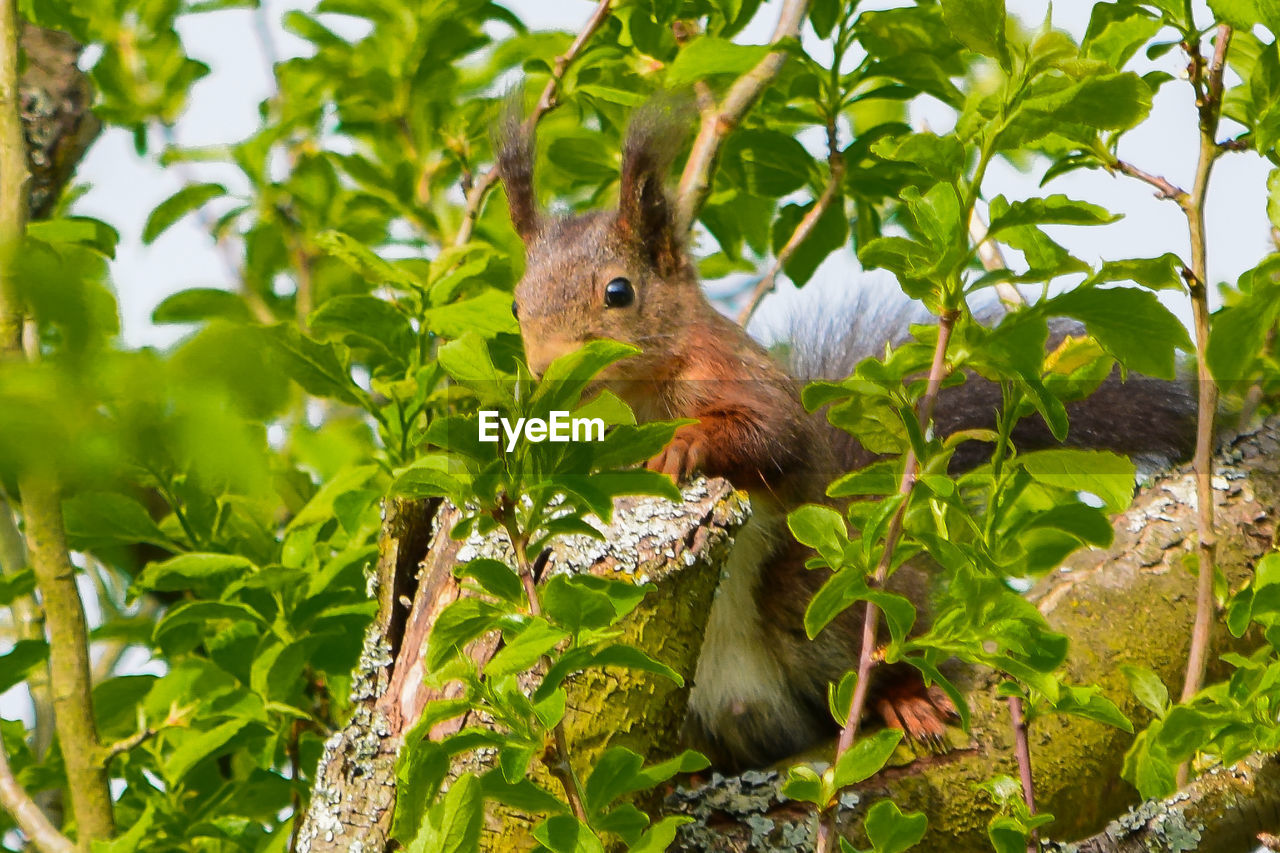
[{"x": 224, "y": 109}]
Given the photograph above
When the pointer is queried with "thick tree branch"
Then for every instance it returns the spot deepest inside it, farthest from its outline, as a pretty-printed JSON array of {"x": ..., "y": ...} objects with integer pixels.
[
  {"x": 719, "y": 121},
  {"x": 479, "y": 189},
  {"x": 69, "y": 669},
  {"x": 1224, "y": 809}
]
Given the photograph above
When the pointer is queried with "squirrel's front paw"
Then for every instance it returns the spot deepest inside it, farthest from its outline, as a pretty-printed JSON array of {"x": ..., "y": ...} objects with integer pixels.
[{"x": 682, "y": 457}]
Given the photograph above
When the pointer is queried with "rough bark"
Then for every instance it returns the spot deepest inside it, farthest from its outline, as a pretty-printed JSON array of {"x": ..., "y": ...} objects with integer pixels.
[
  {"x": 1225, "y": 809},
  {"x": 678, "y": 548},
  {"x": 54, "y": 103}
]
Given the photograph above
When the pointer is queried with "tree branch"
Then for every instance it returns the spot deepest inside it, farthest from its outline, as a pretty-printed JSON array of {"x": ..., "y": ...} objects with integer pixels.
[
  {"x": 69, "y": 669},
  {"x": 720, "y": 121},
  {"x": 26, "y": 814},
  {"x": 479, "y": 189}
]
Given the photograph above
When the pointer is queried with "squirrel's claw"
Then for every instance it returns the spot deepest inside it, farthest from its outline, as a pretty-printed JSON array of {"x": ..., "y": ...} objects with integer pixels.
[
  {"x": 920, "y": 712},
  {"x": 681, "y": 458}
]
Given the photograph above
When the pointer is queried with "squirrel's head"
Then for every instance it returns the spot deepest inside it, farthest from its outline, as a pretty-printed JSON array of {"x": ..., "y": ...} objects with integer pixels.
[{"x": 620, "y": 273}]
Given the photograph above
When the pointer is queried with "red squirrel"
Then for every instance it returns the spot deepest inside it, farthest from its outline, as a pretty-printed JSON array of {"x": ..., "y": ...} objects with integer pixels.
[{"x": 760, "y": 688}]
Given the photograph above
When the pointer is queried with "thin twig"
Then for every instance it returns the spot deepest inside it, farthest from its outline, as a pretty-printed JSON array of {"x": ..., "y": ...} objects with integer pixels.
[
  {"x": 938, "y": 371},
  {"x": 1022, "y": 750},
  {"x": 546, "y": 103},
  {"x": 767, "y": 283},
  {"x": 719, "y": 122},
  {"x": 1210, "y": 110},
  {"x": 133, "y": 741},
  {"x": 35, "y": 825},
  {"x": 559, "y": 765},
  {"x": 1165, "y": 190}
]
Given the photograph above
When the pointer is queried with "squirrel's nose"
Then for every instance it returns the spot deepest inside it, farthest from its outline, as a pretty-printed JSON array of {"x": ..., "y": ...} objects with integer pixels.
[{"x": 541, "y": 350}]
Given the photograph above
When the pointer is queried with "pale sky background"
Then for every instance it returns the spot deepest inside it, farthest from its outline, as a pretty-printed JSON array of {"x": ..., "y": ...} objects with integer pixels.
[{"x": 223, "y": 109}]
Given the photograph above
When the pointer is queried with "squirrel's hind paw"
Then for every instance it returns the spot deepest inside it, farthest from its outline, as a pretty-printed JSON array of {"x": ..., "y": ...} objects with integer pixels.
[{"x": 920, "y": 712}]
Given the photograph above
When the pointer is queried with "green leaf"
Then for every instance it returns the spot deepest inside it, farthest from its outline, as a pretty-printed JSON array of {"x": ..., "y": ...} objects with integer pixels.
[
  {"x": 421, "y": 767},
  {"x": 1099, "y": 472},
  {"x": 1054, "y": 209},
  {"x": 659, "y": 837},
  {"x": 865, "y": 758},
  {"x": 829, "y": 234},
  {"x": 494, "y": 577},
  {"x": 467, "y": 362},
  {"x": 321, "y": 369},
  {"x": 1130, "y": 324},
  {"x": 367, "y": 321},
  {"x": 177, "y": 206},
  {"x": 565, "y": 834},
  {"x": 487, "y": 314},
  {"x": 708, "y": 56},
  {"x": 364, "y": 261},
  {"x": 189, "y": 570},
  {"x": 196, "y": 304},
  {"x": 96, "y": 519},
  {"x": 80, "y": 230},
  {"x": 803, "y": 784},
  {"x": 891, "y": 831},
  {"x": 1116, "y": 31},
  {"x": 196, "y": 746},
  {"x": 1238, "y": 333},
  {"x": 535, "y": 639},
  {"x": 822, "y": 529},
  {"x": 18, "y": 663},
  {"x": 1148, "y": 688},
  {"x": 1241, "y": 14},
  {"x": 980, "y": 26},
  {"x": 457, "y": 625},
  {"x": 454, "y": 825},
  {"x": 1162, "y": 273},
  {"x": 1103, "y": 102}
]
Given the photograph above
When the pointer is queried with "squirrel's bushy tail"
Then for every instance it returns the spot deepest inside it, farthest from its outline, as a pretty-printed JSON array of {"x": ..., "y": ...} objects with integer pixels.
[{"x": 824, "y": 336}]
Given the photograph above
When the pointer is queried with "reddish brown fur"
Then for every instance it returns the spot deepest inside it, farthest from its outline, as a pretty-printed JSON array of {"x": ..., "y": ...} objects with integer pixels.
[{"x": 750, "y": 426}]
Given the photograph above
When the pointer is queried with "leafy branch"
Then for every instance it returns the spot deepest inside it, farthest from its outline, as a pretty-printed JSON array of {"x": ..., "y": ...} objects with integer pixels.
[
  {"x": 547, "y": 101},
  {"x": 719, "y": 120}
]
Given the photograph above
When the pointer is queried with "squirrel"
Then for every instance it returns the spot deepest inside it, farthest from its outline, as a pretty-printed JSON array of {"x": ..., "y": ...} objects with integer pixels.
[{"x": 759, "y": 692}]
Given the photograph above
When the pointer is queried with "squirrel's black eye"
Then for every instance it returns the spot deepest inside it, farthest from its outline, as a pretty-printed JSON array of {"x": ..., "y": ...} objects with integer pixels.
[
  {"x": 515, "y": 309},
  {"x": 619, "y": 293}
]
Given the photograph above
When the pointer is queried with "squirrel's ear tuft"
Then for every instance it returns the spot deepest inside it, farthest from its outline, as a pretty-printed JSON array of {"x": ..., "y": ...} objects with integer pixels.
[
  {"x": 653, "y": 138},
  {"x": 513, "y": 144}
]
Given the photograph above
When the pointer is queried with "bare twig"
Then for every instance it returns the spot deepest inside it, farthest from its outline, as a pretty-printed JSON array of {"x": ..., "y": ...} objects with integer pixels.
[
  {"x": 479, "y": 189},
  {"x": 767, "y": 283},
  {"x": 938, "y": 371},
  {"x": 1165, "y": 189},
  {"x": 718, "y": 122},
  {"x": 1022, "y": 750},
  {"x": 1210, "y": 110},
  {"x": 133, "y": 741},
  {"x": 35, "y": 825}
]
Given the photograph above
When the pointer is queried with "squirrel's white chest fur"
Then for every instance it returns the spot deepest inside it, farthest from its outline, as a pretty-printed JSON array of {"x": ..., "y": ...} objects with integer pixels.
[{"x": 737, "y": 670}]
